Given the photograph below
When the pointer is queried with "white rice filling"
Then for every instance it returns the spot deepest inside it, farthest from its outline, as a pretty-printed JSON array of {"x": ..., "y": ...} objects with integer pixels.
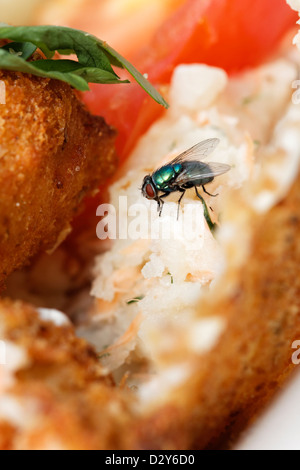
[
  {"x": 54, "y": 316},
  {"x": 295, "y": 5},
  {"x": 146, "y": 290}
]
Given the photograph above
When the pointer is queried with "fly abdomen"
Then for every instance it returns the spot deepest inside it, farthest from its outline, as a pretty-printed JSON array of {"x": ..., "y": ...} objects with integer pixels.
[{"x": 196, "y": 174}]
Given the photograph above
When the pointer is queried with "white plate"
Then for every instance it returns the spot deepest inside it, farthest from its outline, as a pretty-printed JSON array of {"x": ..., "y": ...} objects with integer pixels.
[{"x": 279, "y": 426}]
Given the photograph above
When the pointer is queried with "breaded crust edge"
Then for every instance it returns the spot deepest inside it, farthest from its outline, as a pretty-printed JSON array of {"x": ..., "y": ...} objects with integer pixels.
[
  {"x": 233, "y": 382},
  {"x": 53, "y": 152}
]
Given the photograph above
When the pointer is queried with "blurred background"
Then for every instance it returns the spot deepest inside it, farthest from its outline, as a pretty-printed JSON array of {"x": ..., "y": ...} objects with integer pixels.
[
  {"x": 18, "y": 11},
  {"x": 104, "y": 18}
]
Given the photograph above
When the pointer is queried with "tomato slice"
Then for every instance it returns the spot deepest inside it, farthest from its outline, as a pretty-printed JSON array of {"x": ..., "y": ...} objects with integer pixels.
[
  {"x": 127, "y": 108},
  {"x": 231, "y": 34}
]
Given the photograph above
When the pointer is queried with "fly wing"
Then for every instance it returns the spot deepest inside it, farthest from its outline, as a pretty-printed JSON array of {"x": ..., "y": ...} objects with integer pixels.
[
  {"x": 198, "y": 152},
  {"x": 201, "y": 171}
]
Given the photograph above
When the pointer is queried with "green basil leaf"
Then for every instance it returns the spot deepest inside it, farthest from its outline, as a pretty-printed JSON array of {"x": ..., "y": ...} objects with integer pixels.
[
  {"x": 95, "y": 57},
  {"x": 17, "y": 64},
  {"x": 70, "y": 66},
  {"x": 140, "y": 79}
]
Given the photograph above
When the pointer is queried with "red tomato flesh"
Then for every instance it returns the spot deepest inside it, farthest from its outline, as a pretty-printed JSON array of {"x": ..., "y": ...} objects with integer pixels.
[{"x": 232, "y": 34}]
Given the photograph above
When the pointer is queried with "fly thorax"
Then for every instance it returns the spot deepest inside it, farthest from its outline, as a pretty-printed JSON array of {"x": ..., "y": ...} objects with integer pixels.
[{"x": 164, "y": 175}]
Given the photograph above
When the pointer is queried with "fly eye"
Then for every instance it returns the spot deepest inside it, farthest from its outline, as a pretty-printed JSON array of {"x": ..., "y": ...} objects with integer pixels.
[{"x": 149, "y": 191}]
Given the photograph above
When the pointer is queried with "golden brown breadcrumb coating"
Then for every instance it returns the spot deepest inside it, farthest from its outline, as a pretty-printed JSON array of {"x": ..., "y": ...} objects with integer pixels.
[
  {"x": 254, "y": 355},
  {"x": 69, "y": 400},
  {"x": 76, "y": 406},
  {"x": 52, "y": 153}
]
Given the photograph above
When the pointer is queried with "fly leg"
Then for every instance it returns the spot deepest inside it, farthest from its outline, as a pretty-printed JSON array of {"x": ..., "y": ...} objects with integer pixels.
[
  {"x": 161, "y": 202},
  {"x": 179, "y": 201},
  {"x": 160, "y": 206},
  {"x": 210, "y": 223},
  {"x": 206, "y": 192},
  {"x": 199, "y": 196}
]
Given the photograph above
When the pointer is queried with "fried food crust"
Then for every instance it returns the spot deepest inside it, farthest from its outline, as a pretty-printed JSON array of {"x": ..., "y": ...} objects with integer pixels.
[
  {"x": 253, "y": 358},
  {"x": 229, "y": 384},
  {"x": 72, "y": 402},
  {"x": 52, "y": 154}
]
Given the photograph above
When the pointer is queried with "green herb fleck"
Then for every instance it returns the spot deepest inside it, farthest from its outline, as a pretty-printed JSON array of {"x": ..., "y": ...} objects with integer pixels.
[
  {"x": 207, "y": 217},
  {"x": 104, "y": 355},
  {"x": 135, "y": 300},
  {"x": 210, "y": 223},
  {"x": 173, "y": 145},
  {"x": 21, "y": 49},
  {"x": 95, "y": 57},
  {"x": 247, "y": 100},
  {"x": 172, "y": 279}
]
